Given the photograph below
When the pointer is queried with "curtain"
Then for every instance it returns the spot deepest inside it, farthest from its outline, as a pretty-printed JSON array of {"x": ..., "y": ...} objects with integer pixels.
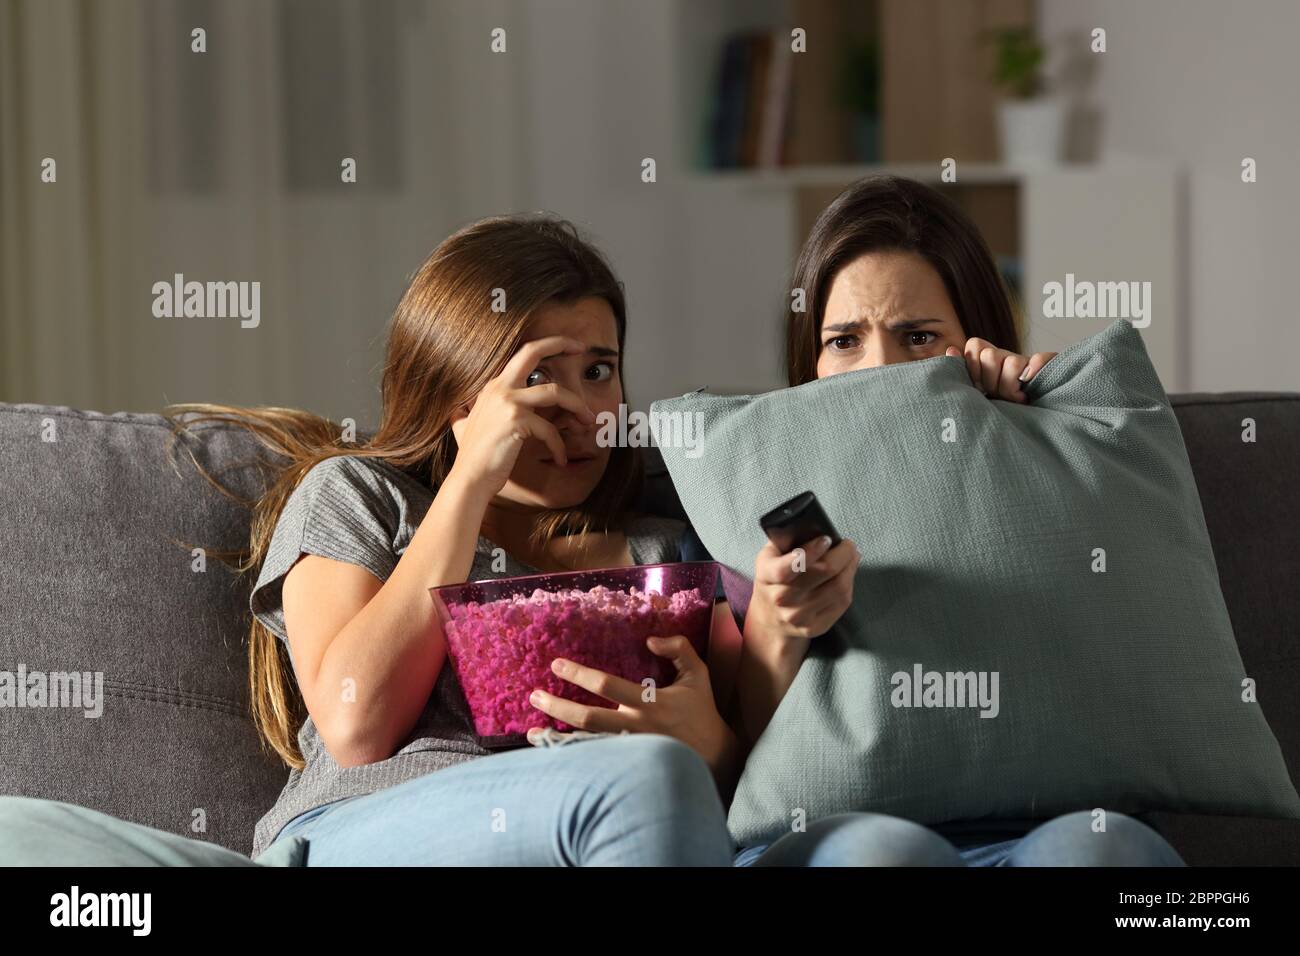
[
  {"x": 225, "y": 166},
  {"x": 64, "y": 70}
]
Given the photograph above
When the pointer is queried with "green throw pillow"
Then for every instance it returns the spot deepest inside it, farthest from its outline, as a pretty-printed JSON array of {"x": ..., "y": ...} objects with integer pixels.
[{"x": 1037, "y": 624}]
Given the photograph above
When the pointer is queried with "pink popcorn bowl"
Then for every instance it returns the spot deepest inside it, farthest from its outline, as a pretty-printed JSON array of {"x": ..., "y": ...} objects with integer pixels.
[{"x": 503, "y": 635}]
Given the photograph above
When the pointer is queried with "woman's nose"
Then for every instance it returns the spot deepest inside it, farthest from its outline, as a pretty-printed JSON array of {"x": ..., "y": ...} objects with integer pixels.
[
  {"x": 878, "y": 353},
  {"x": 566, "y": 420},
  {"x": 874, "y": 355}
]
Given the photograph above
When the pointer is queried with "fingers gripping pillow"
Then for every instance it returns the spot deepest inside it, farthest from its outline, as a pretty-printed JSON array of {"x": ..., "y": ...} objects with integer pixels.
[{"x": 1037, "y": 625}]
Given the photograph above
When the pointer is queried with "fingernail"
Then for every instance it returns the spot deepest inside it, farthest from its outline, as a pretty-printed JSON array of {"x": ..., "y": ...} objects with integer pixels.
[
  {"x": 557, "y": 665},
  {"x": 535, "y": 698},
  {"x": 1024, "y": 376}
]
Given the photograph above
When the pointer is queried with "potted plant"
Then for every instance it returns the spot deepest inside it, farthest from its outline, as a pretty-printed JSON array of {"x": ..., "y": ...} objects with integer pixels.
[
  {"x": 859, "y": 89},
  {"x": 1031, "y": 125}
]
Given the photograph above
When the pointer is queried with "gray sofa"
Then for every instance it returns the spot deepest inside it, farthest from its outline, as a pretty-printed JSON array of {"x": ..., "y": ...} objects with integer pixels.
[{"x": 94, "y": 578}]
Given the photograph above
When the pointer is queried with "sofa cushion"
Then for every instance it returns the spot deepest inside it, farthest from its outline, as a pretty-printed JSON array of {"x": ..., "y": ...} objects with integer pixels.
[
  {"x": 979, "y": 524},
  {"x": 93, "y": 581}
]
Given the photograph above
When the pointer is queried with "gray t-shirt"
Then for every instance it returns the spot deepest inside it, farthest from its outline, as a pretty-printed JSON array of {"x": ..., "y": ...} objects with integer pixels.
[{"x": 365, "y": 512}]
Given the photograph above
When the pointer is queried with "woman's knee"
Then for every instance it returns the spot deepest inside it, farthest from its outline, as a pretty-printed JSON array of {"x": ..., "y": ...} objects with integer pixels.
[
  {"x": 862, "y": 839},
  {"x": 658, "y": 767},
  {"x": 665, "y": 791},
  {"x": 37, "y": 832},
  {"x": 1085, "y": 838}
]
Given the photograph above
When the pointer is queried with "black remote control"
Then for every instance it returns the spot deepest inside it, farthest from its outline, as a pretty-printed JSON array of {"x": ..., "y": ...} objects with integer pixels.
[{"x": 797, "y": 522}]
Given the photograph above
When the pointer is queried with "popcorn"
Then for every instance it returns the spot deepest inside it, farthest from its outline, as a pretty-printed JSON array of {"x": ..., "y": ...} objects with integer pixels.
[{"x": 503, "y": 649}]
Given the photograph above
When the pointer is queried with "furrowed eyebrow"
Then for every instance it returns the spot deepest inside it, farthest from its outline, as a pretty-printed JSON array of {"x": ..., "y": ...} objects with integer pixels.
[
  {"x": 904, "y": 326},
  {"x": 911, "y": 324},
  {"x": 842, "y": 327}
]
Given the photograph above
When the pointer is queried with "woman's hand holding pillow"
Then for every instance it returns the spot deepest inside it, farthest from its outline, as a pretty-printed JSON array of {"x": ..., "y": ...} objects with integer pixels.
[{"x": 997, "y": 372}]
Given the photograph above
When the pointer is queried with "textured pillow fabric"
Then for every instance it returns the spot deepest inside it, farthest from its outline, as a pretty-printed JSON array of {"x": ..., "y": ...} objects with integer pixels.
[{"x": 1057, "y": 547}]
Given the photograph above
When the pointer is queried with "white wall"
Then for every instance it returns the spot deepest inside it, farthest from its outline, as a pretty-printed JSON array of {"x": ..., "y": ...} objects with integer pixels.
[
  {"x": 1205, "y": 83},
  {"x": 704, "y": 264}
]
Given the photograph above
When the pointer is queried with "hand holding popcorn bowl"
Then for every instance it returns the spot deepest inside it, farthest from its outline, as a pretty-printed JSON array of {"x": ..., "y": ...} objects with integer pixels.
[{"x": 503, "y": 635}]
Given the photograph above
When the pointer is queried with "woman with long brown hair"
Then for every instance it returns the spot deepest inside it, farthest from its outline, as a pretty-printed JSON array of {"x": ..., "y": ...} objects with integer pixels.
[
  {"x": 894, "y": 271},
  {"x": 502, "y": 352}
]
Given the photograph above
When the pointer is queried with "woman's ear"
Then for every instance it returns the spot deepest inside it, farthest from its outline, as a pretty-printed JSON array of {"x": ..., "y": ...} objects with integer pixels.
[{"x": 458, "y": 416}]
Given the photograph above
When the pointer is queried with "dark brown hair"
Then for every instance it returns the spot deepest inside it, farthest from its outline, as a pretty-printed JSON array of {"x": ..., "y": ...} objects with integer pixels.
[
  {"x": 445, "y": 342},
  {"x": 890, "y": 213}
]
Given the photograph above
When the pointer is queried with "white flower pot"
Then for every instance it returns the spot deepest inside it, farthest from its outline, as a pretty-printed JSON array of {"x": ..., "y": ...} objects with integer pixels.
[{"x": 1032, "y": 131}]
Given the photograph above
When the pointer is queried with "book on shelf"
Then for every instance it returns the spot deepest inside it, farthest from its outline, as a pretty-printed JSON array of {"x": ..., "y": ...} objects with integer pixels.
[{"x": 751, "y": 101}]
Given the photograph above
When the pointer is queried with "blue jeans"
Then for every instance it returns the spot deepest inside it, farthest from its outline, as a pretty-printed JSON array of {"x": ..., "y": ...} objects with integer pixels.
[
  {"x": 874, "y": 839},
  {"x": 630, "y": 800}
]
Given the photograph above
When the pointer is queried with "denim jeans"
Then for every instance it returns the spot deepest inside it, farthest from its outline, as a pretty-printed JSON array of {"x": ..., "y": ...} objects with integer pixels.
[
  {"x": 629, "y": 800},
  {"x": 874, "y": 839}
]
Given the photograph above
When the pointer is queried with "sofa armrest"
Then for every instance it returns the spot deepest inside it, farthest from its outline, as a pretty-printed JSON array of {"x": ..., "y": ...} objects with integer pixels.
[{"x": 1205, "y": 840}]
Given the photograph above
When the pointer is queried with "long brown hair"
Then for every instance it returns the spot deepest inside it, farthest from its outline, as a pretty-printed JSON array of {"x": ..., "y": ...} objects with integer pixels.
[
  {"x": 890, "y": 213},
  {"x": 445, "y": 342}
]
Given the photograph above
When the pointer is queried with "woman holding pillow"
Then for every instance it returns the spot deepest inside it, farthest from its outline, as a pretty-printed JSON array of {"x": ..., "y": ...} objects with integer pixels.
[{"x": 895, "y": 272}]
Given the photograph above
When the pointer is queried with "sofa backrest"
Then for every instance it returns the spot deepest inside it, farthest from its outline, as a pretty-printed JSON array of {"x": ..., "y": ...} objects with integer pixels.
[
  {"x": 96, "y": 577},
  {"x": 92, "y": 582},
  {"x": 1245, "y": 452}
]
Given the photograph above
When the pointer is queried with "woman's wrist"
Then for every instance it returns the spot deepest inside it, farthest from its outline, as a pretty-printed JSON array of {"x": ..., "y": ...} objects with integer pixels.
[
  {"x": 724, "y": 758},
  {"x": 765, "y": 637},
  {"x": 443, "y": 548},
  {"x": 465, "y": 490}
]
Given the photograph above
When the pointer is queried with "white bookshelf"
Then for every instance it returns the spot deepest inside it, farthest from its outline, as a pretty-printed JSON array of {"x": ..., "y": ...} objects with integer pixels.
[{"x": 742, "y": 228}]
